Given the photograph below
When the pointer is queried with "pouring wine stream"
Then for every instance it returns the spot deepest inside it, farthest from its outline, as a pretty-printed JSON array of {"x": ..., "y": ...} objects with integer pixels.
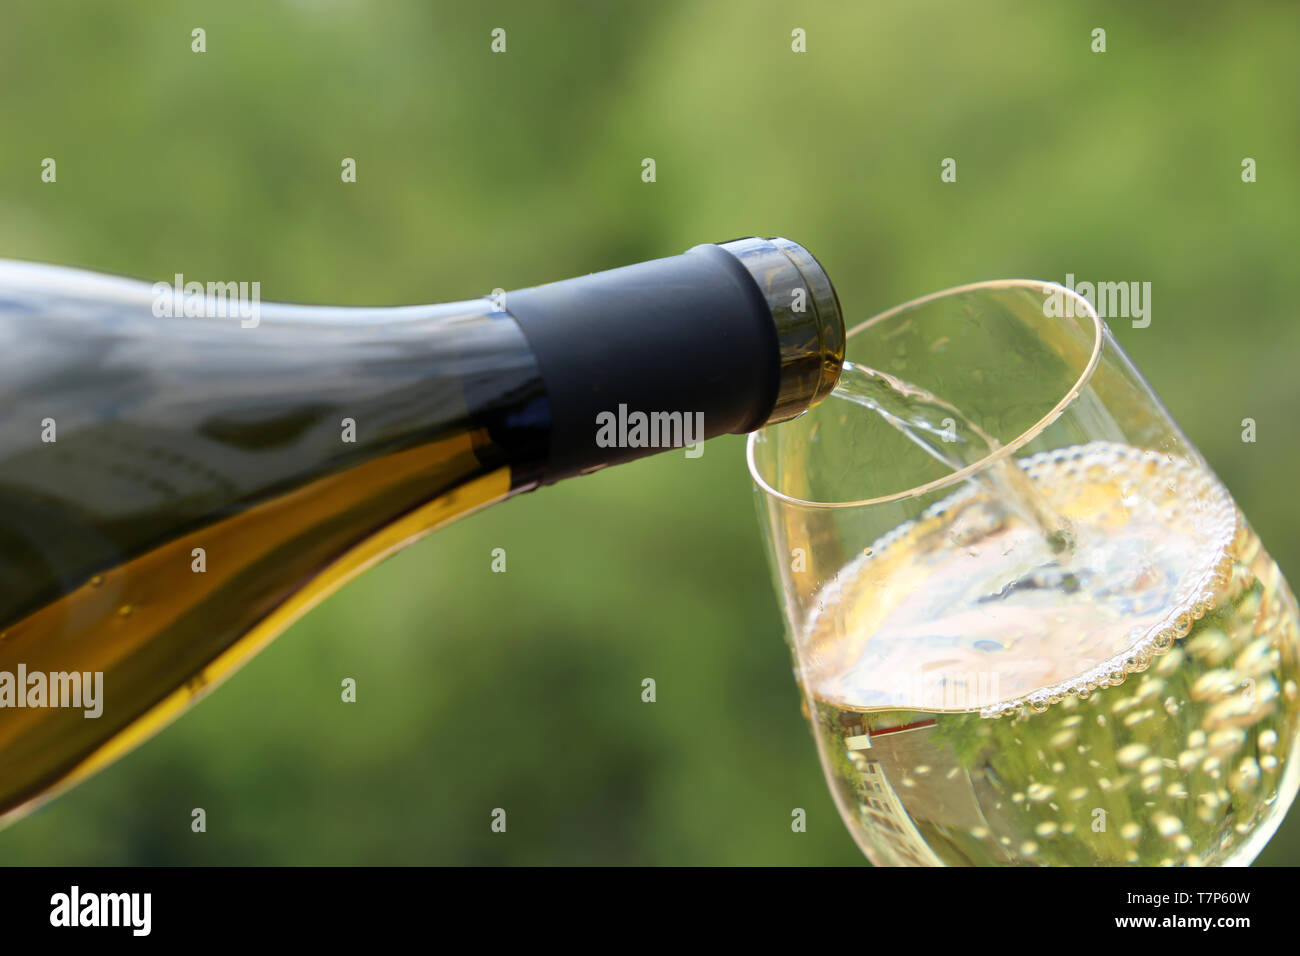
[{"x": 920, "y": 417}]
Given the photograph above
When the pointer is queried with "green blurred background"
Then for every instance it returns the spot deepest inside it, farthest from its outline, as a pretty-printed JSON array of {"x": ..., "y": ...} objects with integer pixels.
[{"x": 476, "y": 171}]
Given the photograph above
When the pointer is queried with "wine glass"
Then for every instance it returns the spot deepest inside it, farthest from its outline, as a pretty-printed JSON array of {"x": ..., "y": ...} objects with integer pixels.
[{"x": 981, "y": 693}]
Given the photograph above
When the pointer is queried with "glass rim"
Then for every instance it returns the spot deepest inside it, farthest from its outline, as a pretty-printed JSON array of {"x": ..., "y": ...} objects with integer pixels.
[{"x": 1083, "y": 308}]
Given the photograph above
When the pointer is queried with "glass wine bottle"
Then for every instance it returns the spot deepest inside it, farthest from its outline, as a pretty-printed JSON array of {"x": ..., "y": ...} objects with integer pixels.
[{"x": 181, "y": 476}]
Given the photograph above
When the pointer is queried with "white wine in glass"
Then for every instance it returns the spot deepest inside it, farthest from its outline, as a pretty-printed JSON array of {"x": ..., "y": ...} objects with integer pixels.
[{"x": 1030, "y": 625}]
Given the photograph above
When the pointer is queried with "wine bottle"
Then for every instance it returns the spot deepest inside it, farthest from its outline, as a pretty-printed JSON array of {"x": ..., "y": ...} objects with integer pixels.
[{"x": 183, "y": 473}]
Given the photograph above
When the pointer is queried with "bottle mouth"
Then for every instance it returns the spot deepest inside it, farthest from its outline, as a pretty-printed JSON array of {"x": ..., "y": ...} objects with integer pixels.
[
  {"x": 1088, "y": 319},
  {"x": 806, "y": 316}
]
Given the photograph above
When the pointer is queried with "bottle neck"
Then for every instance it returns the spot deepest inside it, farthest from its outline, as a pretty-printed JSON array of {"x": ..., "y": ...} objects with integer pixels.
[{"x": 719, "y": 340}]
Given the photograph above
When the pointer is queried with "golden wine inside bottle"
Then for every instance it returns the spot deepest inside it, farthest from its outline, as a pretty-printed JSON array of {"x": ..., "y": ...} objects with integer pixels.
[
  {"x": 175, "y": 491},
  {"x": 171, "y": 501}
]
